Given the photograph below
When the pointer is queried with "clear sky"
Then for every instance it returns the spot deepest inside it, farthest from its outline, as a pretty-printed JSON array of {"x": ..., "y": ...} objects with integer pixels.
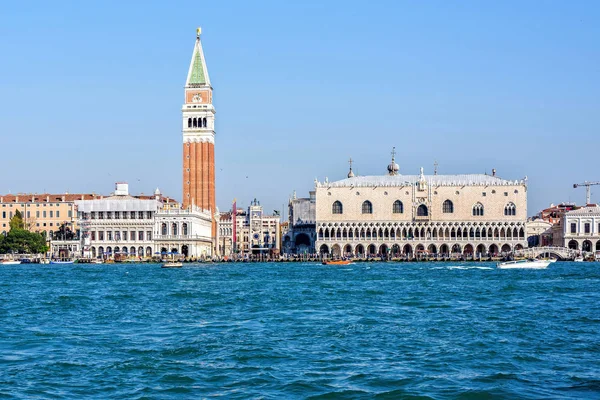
[{"x": 92, "y": 93}]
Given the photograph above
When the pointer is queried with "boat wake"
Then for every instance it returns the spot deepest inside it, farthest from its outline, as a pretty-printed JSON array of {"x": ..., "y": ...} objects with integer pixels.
[{"x": 468, "y": 267}]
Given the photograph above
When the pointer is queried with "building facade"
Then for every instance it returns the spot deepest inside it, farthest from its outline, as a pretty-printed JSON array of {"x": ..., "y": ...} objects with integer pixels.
[
  {"x": 252, "y": 232},
  {"x": 198, "y": 121},
  {"x": 398, "y": 214},
  {"x": 580, "y": 229},
  {"x": 43, "y": 213},
  {"x": 128, "y": 226},
  {"x": 118, "y": 225},
  {"x": 299, "y": 236},
  {"x": 539, "y": 233},
  {"x": 184, "y": 231}
]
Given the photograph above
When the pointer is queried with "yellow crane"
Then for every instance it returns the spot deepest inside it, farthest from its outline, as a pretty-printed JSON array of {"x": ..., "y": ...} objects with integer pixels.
[{"x": 588, "y": 193}]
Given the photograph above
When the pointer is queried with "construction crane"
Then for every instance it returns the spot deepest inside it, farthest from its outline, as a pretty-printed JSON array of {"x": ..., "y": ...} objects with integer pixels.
[{"x": 588, "y": 193}]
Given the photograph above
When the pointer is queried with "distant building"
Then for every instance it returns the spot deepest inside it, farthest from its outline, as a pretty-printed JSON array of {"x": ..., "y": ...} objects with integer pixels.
[
  {"x": 42, "y": 212},
  {"x": 128, "y": 226},
  {"x": 554, "y": 214},
  {"x": 253, "y": 232},
  {"x": 539, "y": 233},
  {"x": 547, "y": 225},
  {"x": 398, "y": 214},
  {"x": 580, "y": 229},
  {"x": 300, "y": 235}
]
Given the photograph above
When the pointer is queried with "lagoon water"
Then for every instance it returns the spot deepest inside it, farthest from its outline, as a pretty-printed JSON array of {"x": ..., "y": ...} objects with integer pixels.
[{"x": 366, "y": 330}]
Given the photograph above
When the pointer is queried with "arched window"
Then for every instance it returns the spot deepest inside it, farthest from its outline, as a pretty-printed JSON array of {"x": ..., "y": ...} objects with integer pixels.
[
  {"x": 204, "y": 122},
  {"x": 189, "y": 122},
  {"x": 337, "y": 208},
  {"x": 174, "y": 229},
  {"x": 195, "y": 123},
  {"x": 398, "y": 207},
  {"x": 448, "y": 207},
  {"x": 163, "y": 229},
  {"x": 184, "y": 229},
  {"x": 422, "y": 211},
  {"x": 478, "y": 210},
  {"x": 367, "y": 207},
  {"x": 510, "y": 209}
]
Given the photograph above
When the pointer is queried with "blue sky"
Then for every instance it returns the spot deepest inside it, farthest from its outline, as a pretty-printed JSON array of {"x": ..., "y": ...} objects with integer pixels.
[{"x": 92, "y": 93}]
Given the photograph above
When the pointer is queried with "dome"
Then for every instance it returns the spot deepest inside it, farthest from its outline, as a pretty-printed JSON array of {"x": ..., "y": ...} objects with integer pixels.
[
  {"x": 157, "y": 192},
  {"x": 393, "y": 168},
  {"x": 350, "y": 174}
]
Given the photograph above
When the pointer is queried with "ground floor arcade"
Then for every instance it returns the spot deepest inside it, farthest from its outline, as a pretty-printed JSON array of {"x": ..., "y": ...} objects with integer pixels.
[
  {"x": 416, "y": 248},
  {"x": 585, "y": 245}
]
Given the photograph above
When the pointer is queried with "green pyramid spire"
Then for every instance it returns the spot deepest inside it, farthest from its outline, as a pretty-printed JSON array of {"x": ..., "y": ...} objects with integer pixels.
[{"x": 197, "y": 75}]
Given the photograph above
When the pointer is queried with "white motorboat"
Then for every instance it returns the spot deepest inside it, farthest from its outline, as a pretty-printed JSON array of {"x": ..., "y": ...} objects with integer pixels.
[
  {"x": 10, "y": 262},
  {"x": 531, "y": 264},
  {"x": 578, "y": 259},
  {"x": 172, "y": 264}
]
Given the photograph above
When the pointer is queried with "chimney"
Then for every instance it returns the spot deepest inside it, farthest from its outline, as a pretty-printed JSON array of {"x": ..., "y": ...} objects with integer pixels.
[
  {"x": 493, "y": 171},
  {"x": 16, "y": 199}
]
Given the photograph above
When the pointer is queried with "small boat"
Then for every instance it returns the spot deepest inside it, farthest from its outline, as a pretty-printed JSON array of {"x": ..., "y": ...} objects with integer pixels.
[
  {"x": 44, "y": 261},
  {"x": 336, "y": 262},
  {"x": 578, "y": 259},
  {"x": 97, "y": 261},
  {"x": 10, "y": 262},
  {"x": 172, "y": 264},
  {"x": 531, "y": 264},
  {"x": 62, "y": 262}
]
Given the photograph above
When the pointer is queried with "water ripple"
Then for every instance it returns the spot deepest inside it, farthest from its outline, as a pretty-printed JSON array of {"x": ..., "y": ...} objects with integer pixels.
[{"x": 384, "y": 331}]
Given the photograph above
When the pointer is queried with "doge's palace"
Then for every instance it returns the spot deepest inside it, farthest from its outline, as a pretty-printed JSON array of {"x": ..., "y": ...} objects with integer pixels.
[{"x": 396, "y": 214}]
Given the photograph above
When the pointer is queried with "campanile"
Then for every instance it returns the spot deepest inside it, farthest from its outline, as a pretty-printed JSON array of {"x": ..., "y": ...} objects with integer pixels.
[{"x": 199, "y": 136}]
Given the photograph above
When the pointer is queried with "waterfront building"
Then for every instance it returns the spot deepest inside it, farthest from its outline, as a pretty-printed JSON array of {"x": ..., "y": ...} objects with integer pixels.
[
  {"x": 128, "y": 226},
  {"x": 198, "y": 121},
  {"x": 398, "y": 214},
  {"x": 225, "y": 234},
  {"x": 299, "y": 236},
  {"x": 120, "y": 225},
  {"x": 579, "y": 229},
  {"x": 252, "y": 232},
  {"x": 42, "y": 213},
  {"x": 187, "y": 231},
  {"x": 546, "y": 228},
  {"x": 539, "y": 232}
]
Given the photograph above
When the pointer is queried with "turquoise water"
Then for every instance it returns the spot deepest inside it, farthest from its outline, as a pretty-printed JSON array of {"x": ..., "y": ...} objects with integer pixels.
[{"x": 376, "y": 330}]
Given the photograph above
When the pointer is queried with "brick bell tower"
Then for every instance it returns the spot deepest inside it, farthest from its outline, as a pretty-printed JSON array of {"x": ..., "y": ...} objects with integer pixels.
[{"x": 199, "y": 136}]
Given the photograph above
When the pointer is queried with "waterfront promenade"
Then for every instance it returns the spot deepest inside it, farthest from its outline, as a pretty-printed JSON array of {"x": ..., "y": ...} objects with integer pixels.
[{"x": 296, "y": 330}]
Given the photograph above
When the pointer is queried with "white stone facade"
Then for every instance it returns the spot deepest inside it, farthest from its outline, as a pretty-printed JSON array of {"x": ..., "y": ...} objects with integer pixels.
[
  {"x": 117, "y": 225},
  {"x": 187, "y": 232},
  {"x": 130, "y": 227},
  {"x": 580, "y": 229},
  {"x": 414, "y": 214}
]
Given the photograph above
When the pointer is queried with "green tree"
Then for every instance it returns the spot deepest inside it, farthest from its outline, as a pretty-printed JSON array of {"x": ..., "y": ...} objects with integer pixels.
[
  {"x": 16, "y": 222},
  {"x": 20, "y": 241}
]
